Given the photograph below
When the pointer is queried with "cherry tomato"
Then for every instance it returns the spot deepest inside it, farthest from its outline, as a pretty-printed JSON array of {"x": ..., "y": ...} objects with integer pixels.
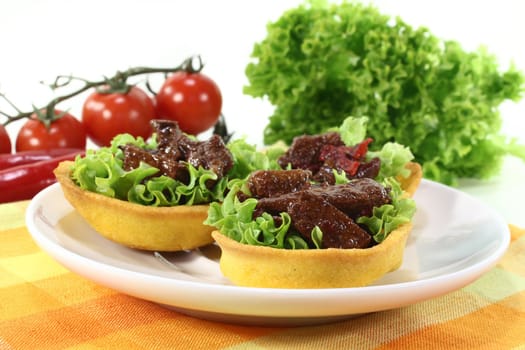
[
  {"x": 5, "y": 141},
  {"x": 65, "y": 132},
  {"x": 106, "y": 115},
  {"x": 193, "y": 100}
]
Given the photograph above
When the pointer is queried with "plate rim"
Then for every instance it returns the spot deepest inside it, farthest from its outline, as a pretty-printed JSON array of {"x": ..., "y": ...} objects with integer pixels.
[{"x": 468, "y": 273}]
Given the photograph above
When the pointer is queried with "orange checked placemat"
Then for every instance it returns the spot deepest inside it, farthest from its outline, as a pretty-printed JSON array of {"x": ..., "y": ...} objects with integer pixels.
[{"x": 45, "y": 306}]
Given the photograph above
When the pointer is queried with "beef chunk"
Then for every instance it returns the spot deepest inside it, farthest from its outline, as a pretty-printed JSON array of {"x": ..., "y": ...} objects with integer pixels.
[
  {"x": 369, "y": 169},
  {"x": 273, "y": 183},
  {"x": 134, "y": 155},
  {"x": 211, "y": 154},
  {"x": 339, "y": 231},
  {"x": 168, "y": 166},
  {"x": 322, "y": 154},
  {"x": 355, "y": 198},
  {"x": 304, "y": 151},
  {"x": 325, "y": 175},
  {"x": 274, "y": 205},
  {"x": 169, "y": 137},
  {"x": 174, "y": 148},
  {"x": 340, "y": 158}
]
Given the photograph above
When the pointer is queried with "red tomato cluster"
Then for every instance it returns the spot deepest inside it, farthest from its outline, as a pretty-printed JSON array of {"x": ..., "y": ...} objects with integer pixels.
[{"x": 191, "y": 99}]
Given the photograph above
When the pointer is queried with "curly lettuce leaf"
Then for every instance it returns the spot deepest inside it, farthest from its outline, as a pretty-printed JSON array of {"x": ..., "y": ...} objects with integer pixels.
[
  {"x": 353, "y": 130},
  {"x": 394, "y": 158},
  {"x": 322, "y": 62},
  {"x": 101, "y": 171},
  {"x": 388, "y": 217},
  {"x": 248, "y": 159},
  {"x": 196, "y": 191},
  {"x": 234, "y": 219},
  {"x": 157, "y": 192},
  {"x": 393, "y": 155}
]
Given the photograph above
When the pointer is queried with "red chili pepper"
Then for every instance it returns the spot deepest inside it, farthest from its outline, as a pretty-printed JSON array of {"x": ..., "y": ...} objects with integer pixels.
[
  {"x": 33, "y": 156},
  {"x": 346, "y": 158},
  {"x": 358, "y": 152},
  {"x": 24, "y": 181}
]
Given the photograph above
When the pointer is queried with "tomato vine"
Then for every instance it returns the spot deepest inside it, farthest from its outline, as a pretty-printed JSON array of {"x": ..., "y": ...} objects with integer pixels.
[{"x": 117, "y": 83}]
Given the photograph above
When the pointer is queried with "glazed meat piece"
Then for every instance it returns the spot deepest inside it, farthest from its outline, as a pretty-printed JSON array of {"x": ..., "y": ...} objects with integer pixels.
[
  {"x": 340, "y": 158},
  {"x": 304, "y": 151},
  {"x": 174, "y": 148},
  {"x": 134, "y": 155},
  {"x": 168, "y": 166},
  {"x": 355, "y": 198},
  {"x": 211, "y": 154},
  {"x": 273, "y": 183},
  {"x": 275, "y": 205},
  {"x": 167, "y": 155},
  {"x": 169, "y": 137},
  {"x": 322, "y": 154},
  {"x": 339, "y": 231},
  {"x": 325, "y": 175},
  {"x": 369, "y": 169}
]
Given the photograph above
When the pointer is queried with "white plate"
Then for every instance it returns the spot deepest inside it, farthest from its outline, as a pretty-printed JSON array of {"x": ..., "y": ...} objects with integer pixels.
[{"x": 455, "y": 240}]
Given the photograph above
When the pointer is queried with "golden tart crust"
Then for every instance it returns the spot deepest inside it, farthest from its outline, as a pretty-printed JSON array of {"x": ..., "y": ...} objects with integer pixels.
[
  {"x": 259, "y": 266},
  {"x": 134, "y": 225}
]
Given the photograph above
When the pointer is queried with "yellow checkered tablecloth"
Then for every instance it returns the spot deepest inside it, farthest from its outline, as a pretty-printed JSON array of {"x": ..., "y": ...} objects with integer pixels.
[{"x": 45, "y": 306}]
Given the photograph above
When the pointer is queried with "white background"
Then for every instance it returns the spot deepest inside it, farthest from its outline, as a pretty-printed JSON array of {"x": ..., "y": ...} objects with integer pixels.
[{"x": 91, "y": 39}]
